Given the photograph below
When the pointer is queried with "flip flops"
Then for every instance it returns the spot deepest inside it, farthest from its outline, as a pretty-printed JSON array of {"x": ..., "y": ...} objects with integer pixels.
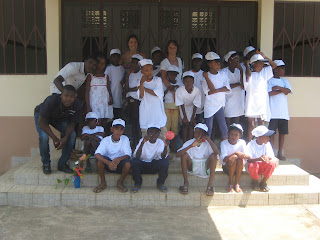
[
  {"x": 210, "y": 191},
  {"x": 183, "y": 189},
  {"x": 99, "y": 189},
  {"x": 264, "y": 187},
  {"x": 162, "y": 188}
]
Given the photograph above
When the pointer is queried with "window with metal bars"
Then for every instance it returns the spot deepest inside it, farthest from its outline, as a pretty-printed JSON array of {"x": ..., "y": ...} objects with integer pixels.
[
  {"x": 130, "y": 19},
  {"x": 202, "y": 20},
  {"x": 91, "y": 18},
  {"x": 170, "y": 20}
]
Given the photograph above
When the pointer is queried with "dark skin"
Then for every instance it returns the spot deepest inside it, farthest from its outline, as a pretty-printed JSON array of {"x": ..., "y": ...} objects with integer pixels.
[
  {"x": 135, "y": 67},
  {"x": 117, "y": 131},
  {"x": 89, "y": 67},
  {"x": 147, "y": 71},
  {"x": 196, "y": 64},
  {"x": 67, "y": 99},
  {"x": 187, "y": 126},
  {"x": 157, "y": 58},
  {"x": 186, "y": 163}
]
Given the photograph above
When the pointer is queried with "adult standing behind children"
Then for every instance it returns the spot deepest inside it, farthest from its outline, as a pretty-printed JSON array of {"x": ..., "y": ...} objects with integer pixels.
[{"x": 62, "y": 112}]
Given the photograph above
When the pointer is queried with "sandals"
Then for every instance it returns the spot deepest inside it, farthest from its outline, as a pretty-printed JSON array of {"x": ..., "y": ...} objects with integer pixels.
[
  {"x": 183, "y": 189},
  {"x": 264, "y": 187},
  {"x": 135, "y": 189},
  {"x": 237, "y": 188},
  {"x": 162, "y": 188},
  {"x": 230, "y": 189},
  {"x": 255, "y": 185},
  {"x": 99, "y": 189},
  {"x": 210, "y": 191}
]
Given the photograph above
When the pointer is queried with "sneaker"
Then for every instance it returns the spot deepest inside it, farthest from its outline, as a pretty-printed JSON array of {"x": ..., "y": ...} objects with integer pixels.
[
  {"x": 46, "y": 169},
  {"x": 65, "y": 168}
]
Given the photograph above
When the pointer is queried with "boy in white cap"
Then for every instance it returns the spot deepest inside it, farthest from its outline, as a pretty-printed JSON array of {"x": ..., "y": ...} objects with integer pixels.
[
  {"x": 91, "y": 136},
  {"x": 131, "y": 86},
  {"x": 115, "y": 72},
  {"x": 157, "y": 57},
  {"x": 150, "y": 157},
  {"x": 198, "y": 157},
  {"x": 256, "y": 86},
  {"x": 113, "y": 155},
  {"x": 248, "y": 52},
  {"x": 188, "y": 98},
  {"x": 196, "y": 63},
  {"x": 278, "y": 89},
  {"x": 215, "y": 87},
  {"x": 262, "y": 159},
  {"x": 234, "y": 153},
  {"x": 235, "y": 98}
]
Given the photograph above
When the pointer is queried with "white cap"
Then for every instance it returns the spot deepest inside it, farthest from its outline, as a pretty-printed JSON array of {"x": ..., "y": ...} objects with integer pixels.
[
  {"x": 118, "y": 121},
  {"x": 256, "y": 58},
  {"x": 153, "y": 125},
  {"x": 173, "y": 68},
  {"x": 212, "y": 56},
  {"x": 228, "y": 55},
  {"x": 262, "y": 131},
  {"x": 279, "y": 63},
  {"x": 236, "y": 125},
  {"x": 145, "y": 62},
  {"x": 156, "y": 48},
  {"x": 137, "y": 56},
  {"x": 201, "y": 126},
  {"x": 188, "y": 74},
  {"x": 197, "y": 55},
  {"x": 116, "y": 50},
  {"x": 247, "y": 50},
  {"x": 92, "y": 115}
]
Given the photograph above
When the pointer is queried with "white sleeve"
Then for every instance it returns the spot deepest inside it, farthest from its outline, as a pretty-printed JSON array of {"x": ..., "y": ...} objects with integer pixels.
[
  {"x": 126, "y": 147},
  {"x": 186, "y": 144},
  {"x": 164, "y": 65},
  {"x": 205, "y": 86},
  {"x": 160, "y": 149},
  {"x": 107, "y": 72},
  {"x": 178, "y": 97},
  {"x": 226, "y": 81},
  {"x": 287, "y": 84},
  {"x": 251, "y": 149},
  {"x": 69, "y": 70},
  {"x": 267, "y": 73},
  {"x": 245, "y": 149},
  {"x": 84, "y": 130},
  {"x": 102, "y": 148},
  {"x": 224, "y": 152},
  {"x": 270, "y": 85},
  {"x": 269, "y": 151},
  {"x": 137, "y": 147},
  {"x": 197, "y": 99},
  {"x": 158, "y": 88}
]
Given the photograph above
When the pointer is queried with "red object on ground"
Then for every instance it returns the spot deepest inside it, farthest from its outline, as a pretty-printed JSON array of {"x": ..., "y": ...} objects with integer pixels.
[{"x": 169, "y": 135}]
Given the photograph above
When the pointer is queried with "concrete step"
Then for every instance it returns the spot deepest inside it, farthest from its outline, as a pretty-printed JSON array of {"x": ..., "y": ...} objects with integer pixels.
[{"x": 21, "y": 195}]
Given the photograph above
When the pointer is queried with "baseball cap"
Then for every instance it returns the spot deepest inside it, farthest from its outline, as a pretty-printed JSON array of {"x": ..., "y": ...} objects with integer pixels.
[
  {"x": 118, "y": 121},
  {"x": 262, "y": 131},
  {"x": 210, "y": 56},
  {"x": 247, "y": 50},
  {"x": 92, "y": 115},
  {"x": 201, "y": 126},
  {"x": 173, "y": 68},
  {"x": 256, "y": 58},
  {"x": 188, "y": 74},
  {"x": 145, "y": 62},
  {"x": 197, "y": 55},
  {"x": 237, "y": 126},
  {"x": 156, "y": 48},
  {"x": 228, "y": 55},
  {"x": 153, "y": 125},
  {"x": 279, "y": 63},
  {"x": 137, "y": 56},
  {"x": 115, "y": 51}
]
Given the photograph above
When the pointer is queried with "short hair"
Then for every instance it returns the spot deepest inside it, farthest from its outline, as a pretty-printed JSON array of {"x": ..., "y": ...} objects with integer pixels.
[
  {"x": 133, "y": 36},
  {"x": 167, "y": 45},
  {"x": 235, "y": 128},
  {"x": 69, "y": 88},
  {"x": 100, "y": 55},
  {"x": 92, "y": 56}
]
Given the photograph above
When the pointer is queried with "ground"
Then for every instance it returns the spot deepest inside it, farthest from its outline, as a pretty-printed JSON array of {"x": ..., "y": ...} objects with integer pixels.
[{"x": 260, "y": 222}]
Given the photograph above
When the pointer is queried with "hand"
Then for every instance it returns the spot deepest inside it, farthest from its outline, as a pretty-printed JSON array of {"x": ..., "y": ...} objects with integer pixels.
[
  {"x": 205, "y": 75},
  {"x": 110, "y": 101},
  {"x": 143, "y": 79},
  {"x": 240, "y": 67},
  {"x": 85, "y": 136},
  {"x": 197, "y": 142},
  {"x": 116, "y": 161},
  {"x": 265, "y": 158},
  {"x": 275, "y": 88},
  {"x": 246, "y": 63},
  {"x": 166, "y": 142},
  {"x": 63, "y": 142},
  {"x": 112, "y": 166},
  {"x": 185, "y": 120},
  {"x": 262, "y": 54},
  {"x": 146, "y": 139},
  {"x": 231, "y": 159},
  {"x": 56, "y": 143}
]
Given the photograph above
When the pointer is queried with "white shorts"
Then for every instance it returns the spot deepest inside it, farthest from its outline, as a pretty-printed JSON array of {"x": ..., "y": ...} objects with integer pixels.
[{"x": 199, "y": 168}]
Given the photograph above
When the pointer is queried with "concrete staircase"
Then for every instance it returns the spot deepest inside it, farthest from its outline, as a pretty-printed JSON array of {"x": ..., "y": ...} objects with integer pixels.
[{"x": 26, "y": 185}]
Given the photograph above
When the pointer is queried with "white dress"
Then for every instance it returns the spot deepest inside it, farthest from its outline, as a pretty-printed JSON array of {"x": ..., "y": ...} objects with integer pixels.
[
  {"x": 99, "y": 97},
  {"x": 115, "y": 74}
]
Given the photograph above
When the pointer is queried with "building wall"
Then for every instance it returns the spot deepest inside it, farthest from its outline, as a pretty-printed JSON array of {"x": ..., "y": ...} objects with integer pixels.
[{"x": 19, "y": 94}]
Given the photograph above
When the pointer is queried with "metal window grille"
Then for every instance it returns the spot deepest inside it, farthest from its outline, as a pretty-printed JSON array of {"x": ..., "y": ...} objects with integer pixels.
[
  {"x": 170, "y": 19},
  {"x": 91, "y": 18},
  {"x": 296, "y": 37},
  {"x": 203, "y": 20},
  {"x": 23, "y": 37},
  {"x": 130, "y": 19}
]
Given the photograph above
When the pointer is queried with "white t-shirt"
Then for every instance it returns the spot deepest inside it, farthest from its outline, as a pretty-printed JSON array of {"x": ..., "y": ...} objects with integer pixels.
[
  {"x": 201, "y": 152},
  {"x": 156, "y": 70},
  {"x": 279, "y": 103},
  {"x": 227, "y": 149},
  {"x": 257, "y": 150},
  {"x": 189, "y": 100},
  {"x": 115, "y": 74},
  {"x": 90, "y": 131},
  {"x": 150, "y": 151},
  {"x": 257, "y": 93},
  {"x": 168, "y": 98},
  {"x": 151, "y": 109},
  {"x": 73, "y": 74},
  {"x": 198, "y": 79},
  {"x": 134, "y": 81},
  {"x": 235, "y": 98},
  {"x": 164, "y": 65},
  {"x": 215, "y": 101},
  {"x": 112, "y": 150}
]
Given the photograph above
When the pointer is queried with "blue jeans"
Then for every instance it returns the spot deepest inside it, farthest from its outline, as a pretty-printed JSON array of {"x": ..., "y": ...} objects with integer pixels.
[
  {"x": 61, "y": 126},
  {"x": 221, "y": 122}
]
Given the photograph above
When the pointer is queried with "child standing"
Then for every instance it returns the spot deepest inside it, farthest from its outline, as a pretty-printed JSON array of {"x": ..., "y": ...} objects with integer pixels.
[
  {"x": 198, "y": 78},
  {"x": 198, "y": 157},
  {"x": 98, "y": 93},
  {"x": 279, "y": 88},
  {"x": 115, "y": 72},
  {"x": 113, "y": 155},
  {"x": 262, "y": 158},
  {"x": 215, "y": 87},
  {"x": 234, "y": 152},
  {"x": 150, "y": 158},
  {"x": 157, "y": 57},
  {"x": 257, "y": 91},
  {"x": 188, "y": 98}
]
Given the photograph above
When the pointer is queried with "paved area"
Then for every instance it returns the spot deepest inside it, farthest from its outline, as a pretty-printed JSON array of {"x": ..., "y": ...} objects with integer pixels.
[{"x": 261, "y": 222}]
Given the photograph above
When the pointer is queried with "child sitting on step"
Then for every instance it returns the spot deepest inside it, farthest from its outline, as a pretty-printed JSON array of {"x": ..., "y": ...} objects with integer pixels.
[
  {"x": 113, "y": 155},
  {"x": 262, "y": 158},
  {"x": 234, "y": 153},
  {"x": 198, "y": 157}
]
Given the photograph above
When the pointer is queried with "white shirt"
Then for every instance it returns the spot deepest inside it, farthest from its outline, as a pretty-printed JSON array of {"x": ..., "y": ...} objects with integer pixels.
[
  {"x": 73, "y": 74},
  {"x": 257, "y": 150},
  {"x": 235, "y": 98},
  {"x": 279, "y": 103},
  {"x": 257, "y": 94},
  {"x": 156, "y": 70},
  {"x": 215, "y": 101},
  {"x": 151, "y": 109},
  {"x": 189, "y": 100},
  {"x": 168, "y": 98},
  {"x": 134, "y": 81},
  {"x": 97, "y": 129},
  {"x": 112, "y": 150},
  {"x": 150, "y": 151},
  {"x": 227, "y": 149},
  {"x": 164, "y": 65},
  {"x": 201, "y": 152},
  {"x": 115, "y": 74},
  {"x": 198, "y": 79}
]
